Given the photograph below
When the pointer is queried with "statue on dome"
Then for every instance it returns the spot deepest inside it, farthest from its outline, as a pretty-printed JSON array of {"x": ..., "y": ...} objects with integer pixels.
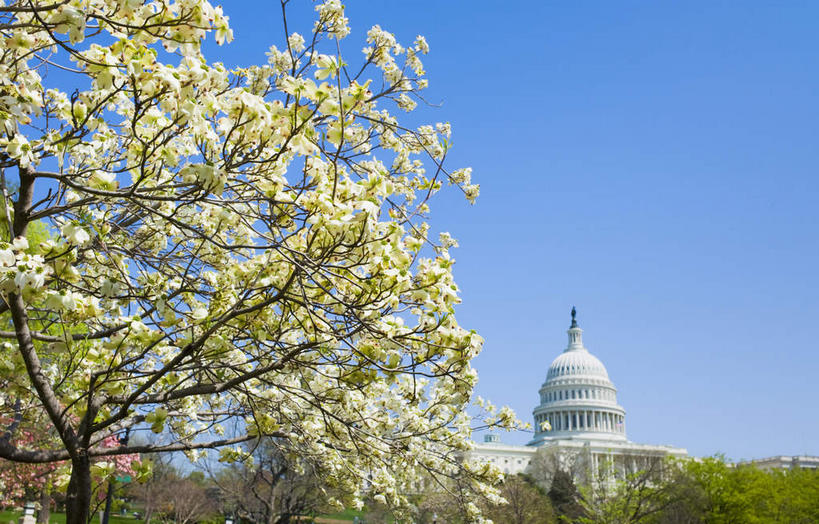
[{"x": 574, "y": 314}]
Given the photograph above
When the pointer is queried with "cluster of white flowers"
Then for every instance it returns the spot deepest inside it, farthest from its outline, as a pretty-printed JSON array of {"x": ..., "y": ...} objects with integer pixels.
[
  {"x": 23, "y": 272},
  {"x": 331, "y": 19}
]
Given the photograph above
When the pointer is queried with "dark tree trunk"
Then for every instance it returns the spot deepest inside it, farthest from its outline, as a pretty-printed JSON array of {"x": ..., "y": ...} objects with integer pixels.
[
  {"x": 106, "y": 514},
  {"x": 78, "y": 495},
  {"x": 45, "y": 506}
]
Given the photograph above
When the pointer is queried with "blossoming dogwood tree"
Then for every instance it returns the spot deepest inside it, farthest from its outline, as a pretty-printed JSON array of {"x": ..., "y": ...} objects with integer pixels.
[
  {"x": 17, "y": 480},
  {"x": 231, "y": 248},
  {"x": 23, "y": 481}
]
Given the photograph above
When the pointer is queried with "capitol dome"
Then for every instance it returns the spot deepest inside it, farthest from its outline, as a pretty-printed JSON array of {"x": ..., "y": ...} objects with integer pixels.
[
  {"x": 578, "y": 400},
  {"x": 577, "y": 363}
]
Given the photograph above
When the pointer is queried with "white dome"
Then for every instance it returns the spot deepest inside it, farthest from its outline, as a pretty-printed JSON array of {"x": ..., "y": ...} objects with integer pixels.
[
  {"x": 577, "y": 362},
  {"x": 578, "y": 400}
]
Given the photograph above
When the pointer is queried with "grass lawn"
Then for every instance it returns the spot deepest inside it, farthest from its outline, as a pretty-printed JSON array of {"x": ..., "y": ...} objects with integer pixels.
[{"x": 59, "y": 518}]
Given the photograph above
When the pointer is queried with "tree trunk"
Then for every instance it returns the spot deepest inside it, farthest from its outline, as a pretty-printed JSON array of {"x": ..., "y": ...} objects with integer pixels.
[
  {"x": 270, "y": 506},
  {"x": 45, "y": 506},
  {"x": 148, "y": 507},
  {"x": 78, "y": 495},
  {"x": 106, "y": 514}
]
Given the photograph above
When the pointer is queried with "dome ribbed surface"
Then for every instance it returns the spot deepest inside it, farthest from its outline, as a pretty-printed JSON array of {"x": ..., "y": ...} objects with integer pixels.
[{"x": 578, "y": 362}]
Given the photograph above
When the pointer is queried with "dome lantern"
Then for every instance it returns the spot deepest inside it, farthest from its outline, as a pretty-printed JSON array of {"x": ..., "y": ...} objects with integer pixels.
[{"x": 575, "y": 334}]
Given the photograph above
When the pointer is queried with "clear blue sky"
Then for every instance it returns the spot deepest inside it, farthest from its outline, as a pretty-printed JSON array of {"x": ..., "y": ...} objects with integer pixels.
[{"x": 654, "y": 164}]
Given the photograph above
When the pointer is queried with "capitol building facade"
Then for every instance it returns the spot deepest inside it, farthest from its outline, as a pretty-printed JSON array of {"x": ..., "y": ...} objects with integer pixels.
[{"x": 578, "y": 423}]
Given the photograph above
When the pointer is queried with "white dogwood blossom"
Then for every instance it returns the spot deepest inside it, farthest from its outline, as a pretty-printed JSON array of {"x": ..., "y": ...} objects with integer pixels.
[{"x": 241, "y": 247}]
